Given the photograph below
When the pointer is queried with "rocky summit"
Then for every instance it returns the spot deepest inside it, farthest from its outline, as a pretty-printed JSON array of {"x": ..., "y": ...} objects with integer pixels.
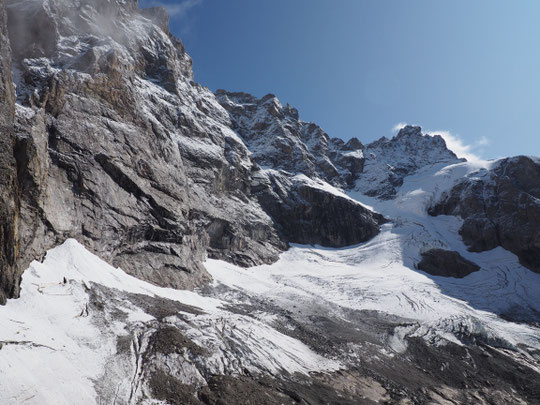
[{"x": 162, "y": 244}]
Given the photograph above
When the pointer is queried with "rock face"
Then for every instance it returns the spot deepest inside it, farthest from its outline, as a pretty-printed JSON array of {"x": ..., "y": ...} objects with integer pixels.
[
  {"x": 278, "y": 138},
  {"x": 117, "y": 147},
  {"x": 9, "y": 279},
  {"x": 313, "y": 212},
  {"x": 500, "y": 207},
  {"x": 446, "y": 263}
]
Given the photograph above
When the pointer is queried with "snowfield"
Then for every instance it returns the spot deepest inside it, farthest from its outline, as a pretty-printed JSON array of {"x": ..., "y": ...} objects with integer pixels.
[
  {"x": 56, "y": 349},
  {"x": 380, "y": 275}
]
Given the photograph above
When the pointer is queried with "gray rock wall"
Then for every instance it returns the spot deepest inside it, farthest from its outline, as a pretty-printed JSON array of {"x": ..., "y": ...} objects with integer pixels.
[
  {"x": 116, "y": 146},
  {"x": 9, "y": 277}
]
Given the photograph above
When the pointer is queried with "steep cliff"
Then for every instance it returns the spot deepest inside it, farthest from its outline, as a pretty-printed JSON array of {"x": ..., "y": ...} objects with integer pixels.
[
  {"x": 9, "y": 276},
  {"x": 121, "y": 150}
]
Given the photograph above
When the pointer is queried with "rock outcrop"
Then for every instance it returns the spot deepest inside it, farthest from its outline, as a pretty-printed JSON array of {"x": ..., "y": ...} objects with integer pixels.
[
  {"x": 279, "y": 139},
  {"x": 313, "y": 212},
  {"x": 446, "y": 263},
  {"x": 500, "y": 207},
  {"x": 9, "y": 277}
]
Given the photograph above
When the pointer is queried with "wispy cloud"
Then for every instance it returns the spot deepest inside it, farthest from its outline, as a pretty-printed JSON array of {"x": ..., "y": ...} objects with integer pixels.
[
  {"x": 175, "y": 9},
  {"x": 180, "y": 13},
  {"x": 469, "y": 151},
  {"x": 483, "y": 141},
  {"x": 180, "y": 10},
  {"x": 398, "y": 126}
]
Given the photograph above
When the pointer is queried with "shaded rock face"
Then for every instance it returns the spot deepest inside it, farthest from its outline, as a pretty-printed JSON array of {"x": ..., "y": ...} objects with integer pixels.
[
  {"x": 500, "y": 207},
  {"x": 9, "y": 277},
  {"x": 307, "y": 213},
  {"x": 446, "y": 263}
]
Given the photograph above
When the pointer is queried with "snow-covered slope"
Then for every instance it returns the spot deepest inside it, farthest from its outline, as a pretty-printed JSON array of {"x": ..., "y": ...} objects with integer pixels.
[{"x": 77, "y": 334}]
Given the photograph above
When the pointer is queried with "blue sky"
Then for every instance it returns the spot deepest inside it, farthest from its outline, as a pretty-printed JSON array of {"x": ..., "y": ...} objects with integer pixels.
[{"x": 359, "y": 68}]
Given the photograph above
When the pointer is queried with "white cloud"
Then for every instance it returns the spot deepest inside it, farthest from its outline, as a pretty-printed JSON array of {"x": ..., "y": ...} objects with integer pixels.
[
  {"x": 181, "y": 9},
  {"x": 176, "y": 9},
  {"x": 462, "y": 149},
  {"x": 483, "y": 141},
  {"x": 398, "y": 126},
  {"x": 455, "y": 143}
]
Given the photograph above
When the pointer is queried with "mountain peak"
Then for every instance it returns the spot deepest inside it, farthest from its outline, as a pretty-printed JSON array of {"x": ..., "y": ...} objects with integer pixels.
[
  {"x": 112, "y": 38},
  {"x": 409, "y": 130}
]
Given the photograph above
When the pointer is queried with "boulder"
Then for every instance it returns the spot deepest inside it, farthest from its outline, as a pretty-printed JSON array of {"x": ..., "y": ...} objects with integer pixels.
[{"x": 446, "y": 263}]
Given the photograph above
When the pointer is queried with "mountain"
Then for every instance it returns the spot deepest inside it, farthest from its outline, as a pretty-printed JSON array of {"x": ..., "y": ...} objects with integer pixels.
[
  {"x": 500, "y": 207},
  {"x": 162, "y": 244}
]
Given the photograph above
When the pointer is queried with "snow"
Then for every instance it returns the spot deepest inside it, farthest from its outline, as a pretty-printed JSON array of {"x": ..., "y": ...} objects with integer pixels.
[
  {"x": 358, "y": 154},
  {"x": 54, "y": 349},
  {"x": 324, "y": 186},
  {"x": 380, "y": 274}
]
